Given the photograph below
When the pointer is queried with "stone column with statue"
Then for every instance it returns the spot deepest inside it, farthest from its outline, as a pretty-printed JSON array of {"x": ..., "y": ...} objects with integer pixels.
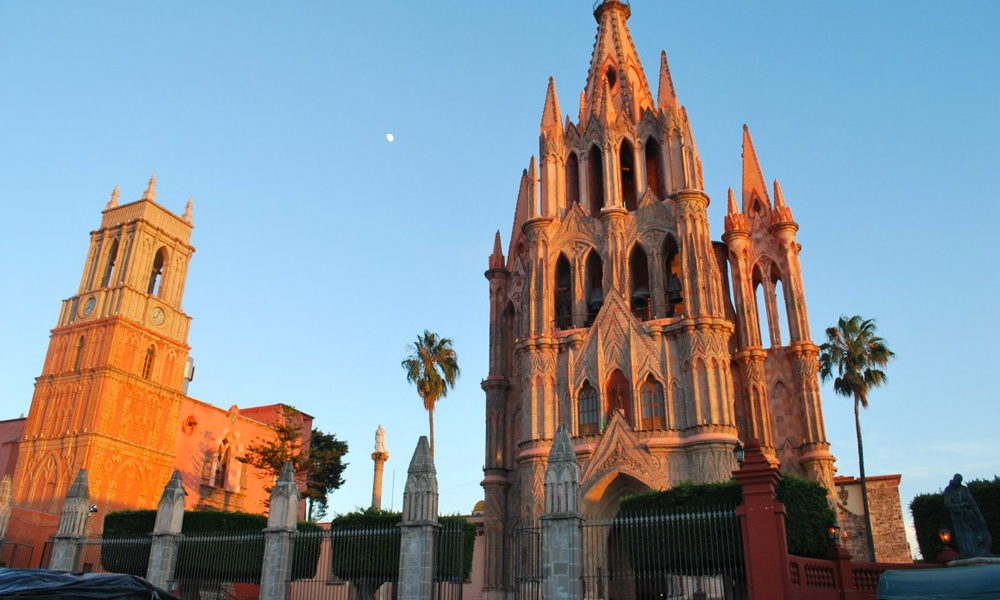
[{"x": 379, "y": 456}]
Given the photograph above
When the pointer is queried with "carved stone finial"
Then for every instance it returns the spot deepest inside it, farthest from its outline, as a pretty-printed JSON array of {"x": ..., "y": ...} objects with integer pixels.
[
  {"x": 562, "y": 476},
  {"x": 782, "y": 214},
  {"x": 733, "y": 209},
  {"x": 283, "y": 510},
  {"x": 497, "y": 259},
  {"x": 420, "y": 497},
  {"x": 113, "y": 202},
  {"x": 188, "y": 217},
  {"x": 734, "y": 220},
  {"x": 76, "y": 507},
  {"x": 150, "y": 193},
  {"x": 170, "y": 510}
]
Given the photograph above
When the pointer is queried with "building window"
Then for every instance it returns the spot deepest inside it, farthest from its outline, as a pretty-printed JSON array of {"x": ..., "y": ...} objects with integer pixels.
[
  {"x": 564, "y": 294},
  {"x": 147, "y": 364},
  {"x": 595, "y": 179},
  {"x": 638, "y": 267},
  {"x": 593, "y": 286},
  {"x": 572, "y": 180},
  {"x": 672, "y": 277},
  {"x": 109, "y": 269},
  {"x": 626, "y": 164},
  {"x": 654, "y": 168},
  {"x": 654, "y": 409},
  {"x": 156, "y": 274},
  {"x": 79, "y": 353},
  {"x": 588, "y": 411}
]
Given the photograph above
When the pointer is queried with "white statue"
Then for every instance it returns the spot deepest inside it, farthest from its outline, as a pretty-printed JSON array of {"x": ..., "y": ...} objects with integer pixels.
[{"x": 380, "y": 440}]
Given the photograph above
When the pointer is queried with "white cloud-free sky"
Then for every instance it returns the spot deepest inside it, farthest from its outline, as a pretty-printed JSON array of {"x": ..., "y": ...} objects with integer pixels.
[{"x": 323, "y": 249}]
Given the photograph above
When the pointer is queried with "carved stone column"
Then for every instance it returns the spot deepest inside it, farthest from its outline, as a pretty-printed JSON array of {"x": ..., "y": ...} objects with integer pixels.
[
  {"x": 562, "y": 525},
  {"x": 72, "y": 525},
  {"x": 418, "y": 526},
  {"x": 166, "y": 533},
  {"x": 281, "y": 525}
]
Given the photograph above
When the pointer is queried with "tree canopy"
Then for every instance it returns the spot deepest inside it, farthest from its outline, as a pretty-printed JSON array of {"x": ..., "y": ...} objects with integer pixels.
[{"x": 432, "y": 367}]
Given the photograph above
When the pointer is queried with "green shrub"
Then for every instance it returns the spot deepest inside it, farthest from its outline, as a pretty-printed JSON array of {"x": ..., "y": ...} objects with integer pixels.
[{"x": 202, "y": 558}]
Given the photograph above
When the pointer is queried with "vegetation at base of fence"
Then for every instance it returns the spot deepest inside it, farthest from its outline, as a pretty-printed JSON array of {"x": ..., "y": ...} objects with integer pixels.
[
  {"x": 205, "y": 533},
  {"x": 930, "y": 516},
  {"x": 447, "y": 564},
  {"x": 807, "y": 517}
]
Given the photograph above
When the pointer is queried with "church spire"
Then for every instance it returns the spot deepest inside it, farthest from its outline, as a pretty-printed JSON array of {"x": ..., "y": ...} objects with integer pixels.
[
  {"x": 150, "y": 193},
  {"x": 753, "y": 179},
  {"x": 496, "y": 259},
  {"x": 551, "y": 117},
  {"x": 616, "y": 63},
  {"x": 667, "y": 96}
]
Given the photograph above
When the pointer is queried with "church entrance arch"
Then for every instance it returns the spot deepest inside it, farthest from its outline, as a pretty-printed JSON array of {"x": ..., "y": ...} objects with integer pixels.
[{"x": 618, "y": 396}]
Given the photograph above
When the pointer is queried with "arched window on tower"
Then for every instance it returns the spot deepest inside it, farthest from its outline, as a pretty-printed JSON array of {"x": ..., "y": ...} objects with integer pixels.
[
  {"x": 507, "y": 348},
  {"x": 761, "y": 300},
  {"x": 638, "y": 271},
  {"x": 147, "y": 363},
  {"x": 109, "y": 268},
  {"x": 564, "y": 293},
  {"x": 588, "y": 413},
  {"x": 654, "y": 168},
  {"x": 80, "y": 344},
  {"x": 156, "y": 274},
  {"x": 593, "y": 286},
  {"x": 672, "y": 277},
  {"x": 595, "y": 180},
  {"x": 781, "y": 317},
  {"x": 652, "y": 404},
  {"x": 626, "y": 162},
  {"x": 572, "y": 179}
]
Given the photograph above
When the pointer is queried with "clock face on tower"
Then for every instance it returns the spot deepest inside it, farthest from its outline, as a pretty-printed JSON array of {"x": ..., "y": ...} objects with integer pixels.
[
  {"x": 157, "y": 316},
  {"x": 88, "y": 306}
]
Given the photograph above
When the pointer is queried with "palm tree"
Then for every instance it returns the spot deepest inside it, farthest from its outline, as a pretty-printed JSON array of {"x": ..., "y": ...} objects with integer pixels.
[
  {"x": 433, "y": 367},
  {"x": 854, "y": 356}
]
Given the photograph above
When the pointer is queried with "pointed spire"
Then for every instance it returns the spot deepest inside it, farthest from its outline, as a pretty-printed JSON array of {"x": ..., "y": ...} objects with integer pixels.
[
  {"x": 583, "y": 109},
  {"x": 113, "y": 202},
  {"x": 616, "y": 59},
  {"x": 781, "y": 214},
  {"x": 532, "y": 174},
  {"x": 734, "y": 220},
  {"x": 496, "y": 259},
  {"x": 420, "y": 496},
  {"x": 284, "y": 503},
  {"x": 551, "y": 117},
  {"x": 667, "y": 96},
  {"x": 606, "y": 104},
  {"x": 170, "y": 510},
  {"x": 188, "y": 217},
  {"x": 753, "y": 179},
  {"x": 562, "y": 476},
  {"x": 150, "y": 193}
]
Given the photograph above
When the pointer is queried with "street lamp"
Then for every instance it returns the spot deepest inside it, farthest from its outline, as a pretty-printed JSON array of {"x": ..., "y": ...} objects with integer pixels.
[
  {"x": 740, "y": 452},
  {"x": 833, "y": 532}
]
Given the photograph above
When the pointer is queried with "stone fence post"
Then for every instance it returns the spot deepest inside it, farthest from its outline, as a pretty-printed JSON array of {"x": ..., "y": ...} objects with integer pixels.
[
  {"x": 762, "y": 517},
  {"x": 5, "y": 506},
  {"x": 282, "y": 517},
  {"x": 166, "y": 533},
  {"x": 562, "y": 525},
  {"x": 72, "y": 524},
  {"x": 418, "y": 526}
]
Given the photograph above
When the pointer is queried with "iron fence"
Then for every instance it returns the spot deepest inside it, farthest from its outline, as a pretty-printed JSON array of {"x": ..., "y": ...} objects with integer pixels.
[
  {"x": 677, "y": 554},
  {"x": 362, "y": 563},
  {"x": 223, "y": 566},
  {"x": 118, "y": 554},
  {"x": 15, "y": 555}
]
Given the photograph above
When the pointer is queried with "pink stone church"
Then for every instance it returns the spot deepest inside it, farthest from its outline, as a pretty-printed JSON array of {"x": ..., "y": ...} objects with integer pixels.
[{"x": 615, "y": 312}]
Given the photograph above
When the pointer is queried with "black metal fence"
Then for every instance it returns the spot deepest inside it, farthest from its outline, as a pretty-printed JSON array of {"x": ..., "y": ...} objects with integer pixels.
[
  {"x": 15, "y": 555},
  {"x": 224, "y": 566},
  {"x": 362, "y": 563},
  {"x": 118, "y": 554},
  {"x": 679, "y": 554}
]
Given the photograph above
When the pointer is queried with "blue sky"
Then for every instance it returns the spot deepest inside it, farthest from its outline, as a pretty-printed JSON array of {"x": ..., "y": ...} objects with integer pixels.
[{"x": 323, "y": 249}]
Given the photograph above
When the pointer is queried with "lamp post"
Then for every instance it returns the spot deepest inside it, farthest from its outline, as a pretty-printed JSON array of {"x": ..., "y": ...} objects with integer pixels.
[{"x": 947, "y": 553}]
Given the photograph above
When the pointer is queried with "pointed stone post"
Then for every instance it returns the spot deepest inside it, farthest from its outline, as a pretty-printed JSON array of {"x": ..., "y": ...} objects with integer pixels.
[
  {"x": 281, "y": 524},
  {"x": 5, "y": 506},
  {"x": 166, "y": 533},
  {"x": 418, "y": 527},
  {"x": 562, "y": 525},
  {"x": 72, "y": 524}
]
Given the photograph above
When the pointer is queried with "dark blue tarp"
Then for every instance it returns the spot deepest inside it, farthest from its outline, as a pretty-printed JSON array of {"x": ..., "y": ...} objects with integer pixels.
[
  {"x": 957, "y": 583},
  {"x": 29, "y": 584}
]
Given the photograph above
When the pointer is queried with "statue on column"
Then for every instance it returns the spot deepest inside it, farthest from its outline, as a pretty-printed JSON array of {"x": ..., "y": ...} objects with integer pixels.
[{"x": 380, "y": 440}]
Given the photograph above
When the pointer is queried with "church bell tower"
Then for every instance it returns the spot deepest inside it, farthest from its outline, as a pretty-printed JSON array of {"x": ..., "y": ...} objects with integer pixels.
[{"x": 111, "y": 388}]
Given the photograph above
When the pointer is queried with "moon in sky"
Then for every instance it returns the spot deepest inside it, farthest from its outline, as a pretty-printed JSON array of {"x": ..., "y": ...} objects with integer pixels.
[{"x": 390, "y": 137}]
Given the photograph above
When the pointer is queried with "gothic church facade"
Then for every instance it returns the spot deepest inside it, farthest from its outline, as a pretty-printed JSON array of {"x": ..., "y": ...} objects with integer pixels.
[{"x": 615, "y": 312}]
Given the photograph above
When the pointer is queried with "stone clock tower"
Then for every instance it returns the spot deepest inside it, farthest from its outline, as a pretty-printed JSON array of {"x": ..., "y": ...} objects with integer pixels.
[{"x": 111, "y": 389}]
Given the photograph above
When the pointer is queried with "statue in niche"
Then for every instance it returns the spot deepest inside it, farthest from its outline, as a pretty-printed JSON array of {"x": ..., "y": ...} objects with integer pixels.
[{"x": 971, "y": 534}]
